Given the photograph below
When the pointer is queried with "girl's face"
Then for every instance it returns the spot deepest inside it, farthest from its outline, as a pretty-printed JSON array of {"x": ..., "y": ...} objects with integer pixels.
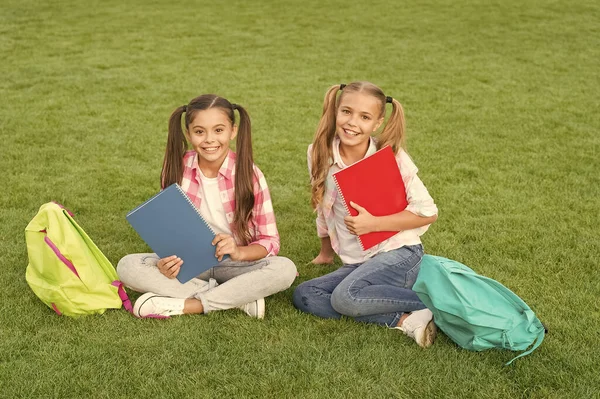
[
  {"x": 209, "y": 134},
  {"x": 358, "y": 116}
]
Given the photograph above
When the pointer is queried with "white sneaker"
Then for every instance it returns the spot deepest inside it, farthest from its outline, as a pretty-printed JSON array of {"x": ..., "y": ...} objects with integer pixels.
[
  {"x": 419, "y": 326},
  {"x": 255, "y": 309},
  {"x": 151, "y": 304}
]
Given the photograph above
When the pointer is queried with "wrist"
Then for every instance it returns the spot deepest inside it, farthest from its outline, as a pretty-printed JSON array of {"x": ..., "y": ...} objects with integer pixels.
[
  {"x": 376, "y": 224},
  {"x": 237, "y": 255}
]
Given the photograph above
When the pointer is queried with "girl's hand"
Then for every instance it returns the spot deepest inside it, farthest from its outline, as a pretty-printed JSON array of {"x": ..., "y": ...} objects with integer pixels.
[
  {"x": 326, "y": 253},
  {"x": 226, "y": 246},
  {"x": 170, "y": 266},
  {"x": 362, "y": 223},
  {"x": 323, "y": 259}
]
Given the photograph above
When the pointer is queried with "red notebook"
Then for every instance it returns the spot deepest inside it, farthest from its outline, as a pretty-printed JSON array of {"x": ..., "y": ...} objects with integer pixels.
[{"x": 375, "y": 184}]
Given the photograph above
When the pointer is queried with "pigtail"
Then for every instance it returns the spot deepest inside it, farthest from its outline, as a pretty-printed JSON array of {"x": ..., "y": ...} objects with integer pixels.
[
  {"x": 322, "y": 152},
  {"x": 172, "y": 169},
  {"x": 244, "y": 178},
  {"x": 394, "y": 130}
]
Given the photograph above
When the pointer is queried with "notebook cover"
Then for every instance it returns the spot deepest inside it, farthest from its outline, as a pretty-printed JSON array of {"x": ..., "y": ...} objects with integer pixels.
[
  {"x": 375, "y": 183},
  {"x": 171, "y": 225}
]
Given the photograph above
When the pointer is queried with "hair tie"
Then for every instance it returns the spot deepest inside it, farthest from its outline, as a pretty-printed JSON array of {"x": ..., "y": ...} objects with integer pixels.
[
  {"x": 234, "y": 106},
  {"x": 342, "y": 86},
  {"x": 389, "y": 99},
  {"x": 184, "y": 108}
]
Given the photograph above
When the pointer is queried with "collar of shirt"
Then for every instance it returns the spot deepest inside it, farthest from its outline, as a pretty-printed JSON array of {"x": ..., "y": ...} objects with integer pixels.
[
  {"x": 226, "y": 170},
  {"x": 337, "y": 158}
]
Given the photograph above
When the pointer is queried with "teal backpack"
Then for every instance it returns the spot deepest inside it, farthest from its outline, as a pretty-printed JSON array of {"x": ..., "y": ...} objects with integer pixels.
[
  {"x": 66, "y": 269},
  {"x": 474, "y": 311}
]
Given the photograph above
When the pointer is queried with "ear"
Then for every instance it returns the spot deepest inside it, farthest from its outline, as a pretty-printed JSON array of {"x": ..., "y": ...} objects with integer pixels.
[
  {"x": 379, "y": 122},
  {"x": 234, "y": 132}
]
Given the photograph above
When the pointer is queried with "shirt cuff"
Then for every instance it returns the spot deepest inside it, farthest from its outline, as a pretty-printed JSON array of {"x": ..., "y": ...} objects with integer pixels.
[{"x": 423, "y": 210}]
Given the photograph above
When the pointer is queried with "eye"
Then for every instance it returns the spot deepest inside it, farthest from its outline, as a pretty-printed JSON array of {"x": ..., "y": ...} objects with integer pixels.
[
  {"x": 366, "y": 118},
  {"x": 345, "y": 111},
  {"x": 199, "y": 131},
  {"x": 219, "y": 130}
]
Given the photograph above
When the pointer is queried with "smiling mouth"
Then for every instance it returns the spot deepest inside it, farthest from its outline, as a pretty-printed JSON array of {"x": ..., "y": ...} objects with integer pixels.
[
  {"x": 210, "y": 149},
  {"x": 350, "y": 132}
]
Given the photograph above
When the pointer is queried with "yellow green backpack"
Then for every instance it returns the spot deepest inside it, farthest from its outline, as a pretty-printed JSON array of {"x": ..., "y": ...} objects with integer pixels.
[{"x": 66, "y": 269}]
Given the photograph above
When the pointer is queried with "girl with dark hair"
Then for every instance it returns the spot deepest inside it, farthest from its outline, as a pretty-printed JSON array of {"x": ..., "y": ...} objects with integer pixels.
[{"x": 232, "y": 196}]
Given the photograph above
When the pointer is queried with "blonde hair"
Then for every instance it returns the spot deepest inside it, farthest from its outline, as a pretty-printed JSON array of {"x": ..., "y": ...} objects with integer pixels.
[{"x": 322, "y": 153}]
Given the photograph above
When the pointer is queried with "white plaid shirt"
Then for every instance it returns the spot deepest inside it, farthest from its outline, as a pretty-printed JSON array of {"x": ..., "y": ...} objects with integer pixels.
[{"x": 419, "y": 202}]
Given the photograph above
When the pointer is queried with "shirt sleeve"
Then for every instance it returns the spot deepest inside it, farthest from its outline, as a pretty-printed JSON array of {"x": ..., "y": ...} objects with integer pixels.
[
  {"x": 266, "y": 233},
  {"x": 419, "y": 201},
  {"x": 321, "y": 224}
]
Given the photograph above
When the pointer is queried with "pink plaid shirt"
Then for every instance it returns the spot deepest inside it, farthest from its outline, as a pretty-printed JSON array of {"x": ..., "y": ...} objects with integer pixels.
[{"x": 262, "y": 227}]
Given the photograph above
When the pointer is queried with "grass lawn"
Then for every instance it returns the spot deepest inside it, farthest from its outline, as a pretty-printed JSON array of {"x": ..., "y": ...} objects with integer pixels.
[{"x": 502, "y": 102}]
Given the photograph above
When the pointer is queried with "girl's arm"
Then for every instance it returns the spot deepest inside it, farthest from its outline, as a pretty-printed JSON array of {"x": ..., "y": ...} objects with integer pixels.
[
  {"x": 265, "y": 237},
  {"x": 326, "y": 254},
  {"x": 419, "y": 214},
  {"x": 225, "y": 244},
  {"x": 365, "y": 223}
]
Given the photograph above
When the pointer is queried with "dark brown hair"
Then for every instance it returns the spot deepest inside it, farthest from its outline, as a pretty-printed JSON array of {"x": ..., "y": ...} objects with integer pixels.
[{"x": 172, "y": 170}]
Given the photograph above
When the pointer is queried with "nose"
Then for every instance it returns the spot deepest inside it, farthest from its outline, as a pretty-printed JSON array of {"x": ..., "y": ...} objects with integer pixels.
[
  {"x": 210, "y": 137},
  {"x": 352, "y": 120}
]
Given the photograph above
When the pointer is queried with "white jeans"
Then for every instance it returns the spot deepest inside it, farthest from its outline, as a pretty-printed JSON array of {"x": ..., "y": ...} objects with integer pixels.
[{"x": 239, "y": 282}]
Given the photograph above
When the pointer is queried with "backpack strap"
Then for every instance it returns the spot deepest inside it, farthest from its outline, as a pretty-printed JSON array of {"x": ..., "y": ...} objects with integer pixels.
[
  {"x": 537, "y": 343},
  {"x": 123, "y": 296},
  {"x": 62, "y": 207},
  {"x": 127, "y": 302},
  {"x": 60, "y": 256}
]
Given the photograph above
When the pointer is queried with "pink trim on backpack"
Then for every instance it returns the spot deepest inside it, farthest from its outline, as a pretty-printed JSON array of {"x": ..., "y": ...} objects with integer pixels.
[
  {"x": 61, "y": 256},
  {"x": 58, "y": 312},
  {"x": 68, "y": 211},
  {"x": 123, "y": 296},
  {"x": 127, "y": 302}
]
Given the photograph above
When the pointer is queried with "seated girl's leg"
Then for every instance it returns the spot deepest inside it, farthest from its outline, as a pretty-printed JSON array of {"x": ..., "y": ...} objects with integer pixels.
[
  {"x": 379, "y": 290},
  {"x": 140, "y": 273},
  {"x": 244, "y": 282},
  {"x": 314, "y": 296}
]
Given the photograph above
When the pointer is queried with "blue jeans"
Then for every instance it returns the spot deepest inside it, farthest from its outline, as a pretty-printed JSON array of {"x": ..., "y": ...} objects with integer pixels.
[{"x": 376, "y": 291}]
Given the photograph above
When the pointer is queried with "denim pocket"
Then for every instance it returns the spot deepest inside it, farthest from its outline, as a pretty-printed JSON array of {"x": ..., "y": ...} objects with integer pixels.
[{"x": 413, "y": 272}]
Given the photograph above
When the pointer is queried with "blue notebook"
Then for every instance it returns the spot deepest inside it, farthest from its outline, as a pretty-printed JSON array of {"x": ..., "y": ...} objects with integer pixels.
[{"x": 171, "y": 225}]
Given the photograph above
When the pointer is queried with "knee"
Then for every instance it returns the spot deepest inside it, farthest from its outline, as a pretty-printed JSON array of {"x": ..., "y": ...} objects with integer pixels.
[
  {"x": 343, "y": 302},
  {"x": 127, "y": 268},
  {"x": 123, "y": 266},
  {"x": 286, "y": 272},
  {"x": 301, "y": 297}
]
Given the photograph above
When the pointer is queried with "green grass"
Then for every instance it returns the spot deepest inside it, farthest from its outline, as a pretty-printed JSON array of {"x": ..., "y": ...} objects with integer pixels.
[{"x": 502, "y": 104}]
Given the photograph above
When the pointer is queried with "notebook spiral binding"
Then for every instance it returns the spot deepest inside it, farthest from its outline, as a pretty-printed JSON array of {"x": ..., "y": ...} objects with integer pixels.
[
  {"x": 337, "y": 186},
  {"x": 196, "y": 209}
]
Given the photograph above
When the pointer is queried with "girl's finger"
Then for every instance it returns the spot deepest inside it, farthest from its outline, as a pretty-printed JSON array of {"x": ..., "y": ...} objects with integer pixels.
[
  {"x": 219, "y": 237},
  {"x": 173, "y": 271},
  {"x": 222, "y": 250}
]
